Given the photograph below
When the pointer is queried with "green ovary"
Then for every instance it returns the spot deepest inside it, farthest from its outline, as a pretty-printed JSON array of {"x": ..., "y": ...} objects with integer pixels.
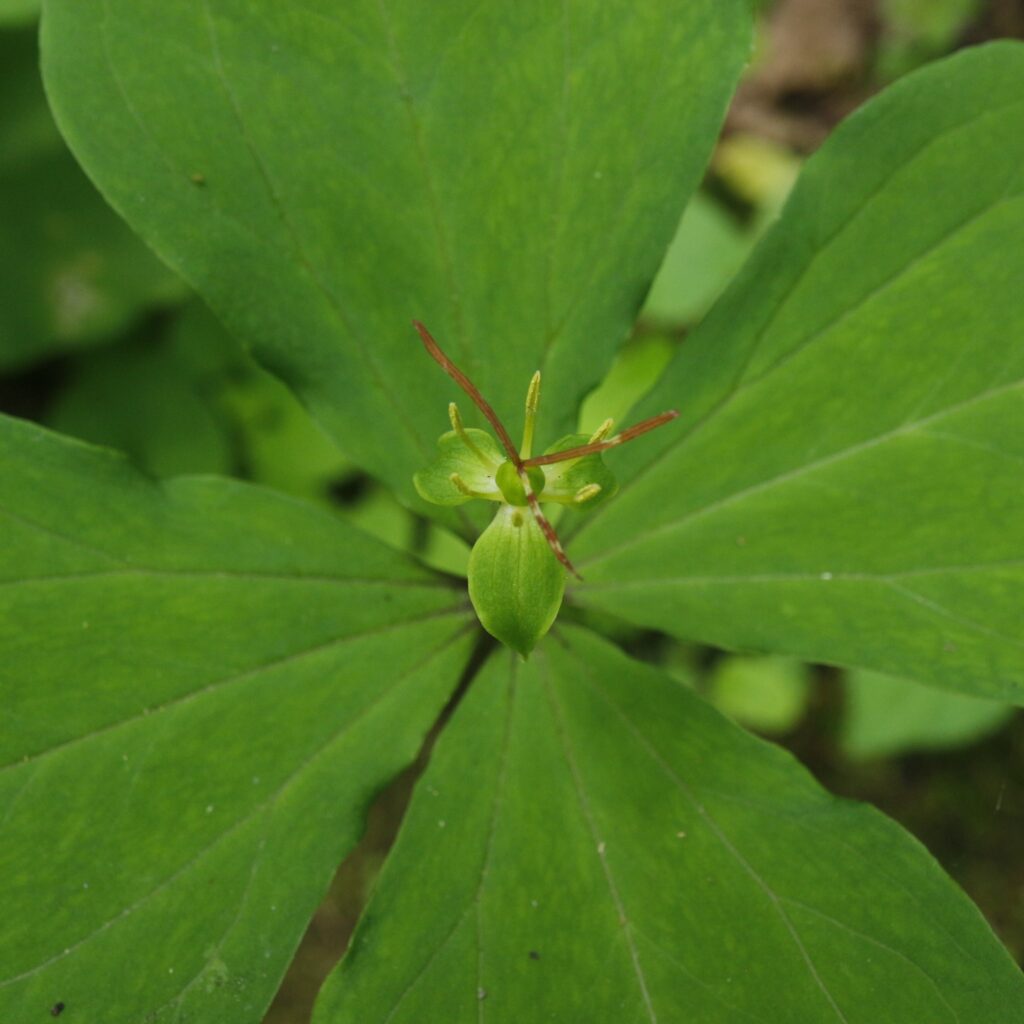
[
  {"x": 515, "y": 582},
  {"x": 511, "y": 487}
]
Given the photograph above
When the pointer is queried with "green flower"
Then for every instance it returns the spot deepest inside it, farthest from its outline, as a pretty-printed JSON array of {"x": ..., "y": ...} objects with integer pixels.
[{"x": 517, "y": 567}]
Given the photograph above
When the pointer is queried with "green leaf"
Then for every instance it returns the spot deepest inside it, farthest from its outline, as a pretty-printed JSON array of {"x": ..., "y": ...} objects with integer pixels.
[
  {"x": 916, "y": 31},
  {"x": 72, "y": 273},
  {"x": 203, "y": 685},
  {"x": 844, "y": 482},
  {"x": 592, "y": 842},
  {"x": 884, "y": 716},
  {"x": 489, "y": 168}
]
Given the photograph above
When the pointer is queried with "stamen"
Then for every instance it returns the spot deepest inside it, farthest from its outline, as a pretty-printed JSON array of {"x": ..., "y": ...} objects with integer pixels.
[
  {"x": 586, "y": 492},
  {"x": 464, "y": 488},
  {"x": 600, "y": 446},
  {"x": 602, "y": 431},
  {"x": 470, "y": 388},
  {"x": 532, "y": 404},
  {"x": 456, "y": 420}
]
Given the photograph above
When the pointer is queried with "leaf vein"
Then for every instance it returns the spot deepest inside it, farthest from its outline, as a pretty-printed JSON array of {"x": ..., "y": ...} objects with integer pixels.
[
  {"x": 588, "y": 817},
  {"x": 722, "y": 838},
  {"x": 298, "y": 248},
  {"x": 250, "y": 816},
  {"x": 444, "y": 248},
  {"x": 225, "y": 574},
  {"x": 738, "y": 385},
  {"x": 842, "y": 925}
]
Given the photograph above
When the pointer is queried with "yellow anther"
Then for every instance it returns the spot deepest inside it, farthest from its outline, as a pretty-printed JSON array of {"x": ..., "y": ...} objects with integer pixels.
[
  {"x": 456, "y": 419},
  {"x": 532, "y": 404},
  {"x": 586, "y": 492},
  {"x": 461, "y": 485}
]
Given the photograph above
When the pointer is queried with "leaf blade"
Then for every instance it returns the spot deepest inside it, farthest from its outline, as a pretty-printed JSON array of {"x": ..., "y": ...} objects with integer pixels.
[
  {"x": 305, "y": 254},
  {"x": 848, "y": 454},
  {"x": 221, "y": 663},
  {"x": 670, "y": 864}
]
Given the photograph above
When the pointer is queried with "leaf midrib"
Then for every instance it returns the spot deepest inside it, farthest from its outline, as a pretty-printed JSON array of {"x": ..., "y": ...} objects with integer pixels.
[
  {"x": 232, "y": 679},
  {"x": 439, "y": 583},
  {"x": 798, "y": 471},
  {"x": 717, "y": 832}
]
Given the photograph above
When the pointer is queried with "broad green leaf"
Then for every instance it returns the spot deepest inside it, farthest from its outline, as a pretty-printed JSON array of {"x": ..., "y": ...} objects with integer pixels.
[
  {"x": 884, "y": 716},
  {"x": 592, "y": 842},
  {"x": 844, "y": 483},
  {"x": 508, "y": 173},
  {"x": 202, "y": 684},
  {"x": 70, "y": 271}
]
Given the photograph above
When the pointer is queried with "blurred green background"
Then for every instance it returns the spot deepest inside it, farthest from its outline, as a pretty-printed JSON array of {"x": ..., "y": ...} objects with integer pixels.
[{"x": 99, "y": 340}]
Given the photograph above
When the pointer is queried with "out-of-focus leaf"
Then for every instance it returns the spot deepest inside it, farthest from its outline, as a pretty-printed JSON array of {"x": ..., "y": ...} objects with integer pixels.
[
  {"x": 711, "y": 244},
  {"x": 277, "y": 443},
  {"x": 886, "y": 716},
  {"x": 708, "y": 249},
  {"x": 767, "y": 693},
  {"x": 71, "y": 272},
  {"x": 758, "y": 170},
  {"x": 139, "y": 399},
  {"x": 18, "y": 12},
  {"x": 635, "y": 371},
  {"x": 916, "y": 31}
]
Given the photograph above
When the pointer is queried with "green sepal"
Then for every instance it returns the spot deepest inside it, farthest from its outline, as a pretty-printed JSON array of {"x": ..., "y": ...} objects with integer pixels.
[
  {"x": 562, "y": 480},
  {"x": 515, "y": 581},
  {"x": 434, "y": 483}
]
